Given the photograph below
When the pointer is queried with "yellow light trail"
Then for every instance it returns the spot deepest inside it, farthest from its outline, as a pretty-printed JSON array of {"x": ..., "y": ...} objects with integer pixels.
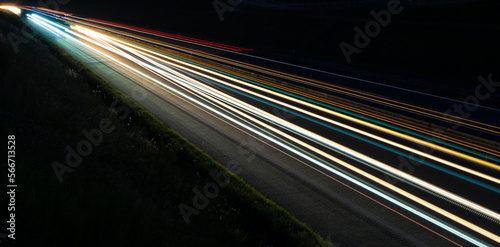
[
  {"x": 346, "y": 90},
  {"x": 404, "y": 136},
  {"x": 233, "y": 104},
  {"x": 305, "y": 132},
  {"x": 407, "y": 137},
  {"x": 12, "y": 9}
]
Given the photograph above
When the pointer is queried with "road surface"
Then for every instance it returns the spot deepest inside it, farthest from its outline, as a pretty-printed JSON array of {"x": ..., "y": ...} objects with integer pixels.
[{"x": 348, "y": 157}]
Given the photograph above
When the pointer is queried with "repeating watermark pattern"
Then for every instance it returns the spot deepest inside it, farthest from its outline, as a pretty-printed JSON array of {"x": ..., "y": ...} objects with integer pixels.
[
  {"x": 248, "y": 150},
  {"x": 210, "y": 191},
  {"x": 27, "y": 32},
  {"x": 221, "y": 7},
  {"x": 92, "y": 138},
  {"x": 372, "y": 29},
  {"x": 471, "y": 103}
]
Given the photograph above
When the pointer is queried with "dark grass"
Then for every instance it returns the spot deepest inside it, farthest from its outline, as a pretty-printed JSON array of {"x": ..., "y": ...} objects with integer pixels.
[{"x": 127, "y": 191}]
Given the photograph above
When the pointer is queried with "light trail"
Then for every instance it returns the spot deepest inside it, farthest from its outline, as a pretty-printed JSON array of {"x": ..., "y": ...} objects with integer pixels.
[
  {"x": 13, "y": 9},
  {"x": 249, "y": 116},
  {"x": 349, "y": 91},
  {"x": 197, "y": 89},
  {"x": 443, "y": 149},
  {"x": 168, "y": 35},
  {"x": 55, "y": 11},
  {"x": 423, "y": 154},
  {"x": 304, "y": 80}
]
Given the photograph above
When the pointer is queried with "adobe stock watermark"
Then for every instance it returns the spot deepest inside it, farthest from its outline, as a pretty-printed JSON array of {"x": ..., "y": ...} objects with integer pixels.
[
  {"x": 248, "y": 150},
  {"x": 372, "y": 29},
  {"x": 221, "y": 7},
  {"x": 92, "y": 139},
  {"x": 211, "y": 190},
  {"x": 27, "y": 32},
  {"x": 471, "y": 103}
]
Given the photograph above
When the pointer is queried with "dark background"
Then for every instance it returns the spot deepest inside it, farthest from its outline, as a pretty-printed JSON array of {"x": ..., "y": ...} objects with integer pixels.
[{"x": 439, "y": 49}]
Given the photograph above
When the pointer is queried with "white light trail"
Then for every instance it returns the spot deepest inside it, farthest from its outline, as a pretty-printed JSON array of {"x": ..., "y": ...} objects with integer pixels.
[
  {"x": 239, "y": 107},
  {"x": 12, "y": 9}
]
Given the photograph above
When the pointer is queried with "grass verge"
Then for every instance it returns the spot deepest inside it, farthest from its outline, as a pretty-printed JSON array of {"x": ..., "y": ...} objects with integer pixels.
[{"x": 126, "y": 192}]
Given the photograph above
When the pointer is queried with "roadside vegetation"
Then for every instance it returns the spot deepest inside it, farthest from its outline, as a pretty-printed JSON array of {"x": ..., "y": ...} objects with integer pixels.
[{"x": 127, "y": 191}]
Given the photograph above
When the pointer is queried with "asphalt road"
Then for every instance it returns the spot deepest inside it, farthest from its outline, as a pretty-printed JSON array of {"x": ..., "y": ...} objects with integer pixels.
[{"x": 328, "y": 169}]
